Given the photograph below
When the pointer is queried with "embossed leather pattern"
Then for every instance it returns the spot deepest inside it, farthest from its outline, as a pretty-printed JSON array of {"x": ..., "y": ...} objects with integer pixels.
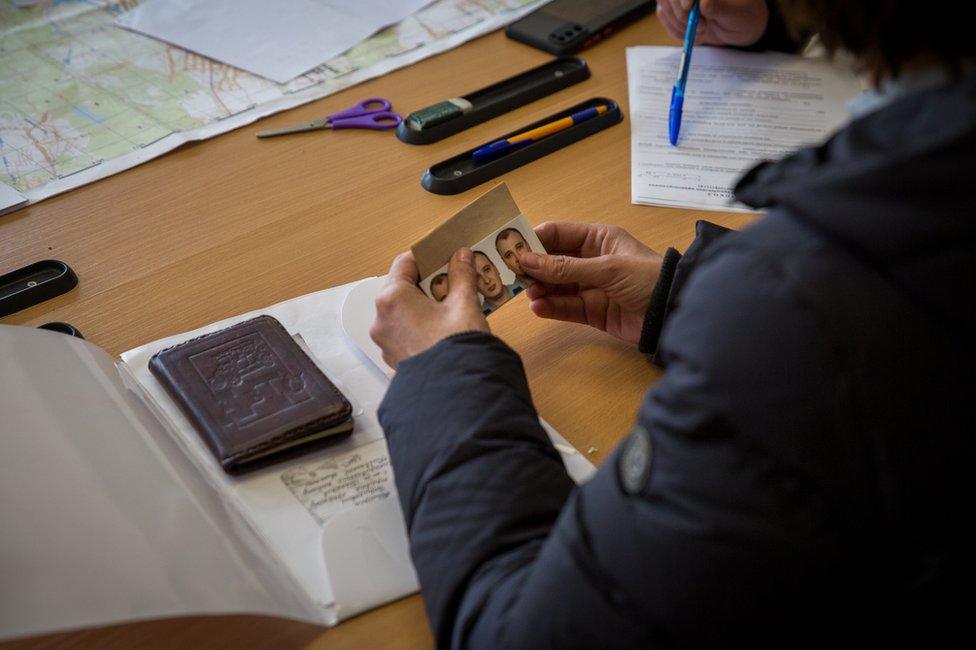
[{"x": 251, "y": 391}]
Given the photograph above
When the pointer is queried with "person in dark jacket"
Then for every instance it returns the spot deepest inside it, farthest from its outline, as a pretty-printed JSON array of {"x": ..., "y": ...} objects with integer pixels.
[{"x": 798, "y": 477}]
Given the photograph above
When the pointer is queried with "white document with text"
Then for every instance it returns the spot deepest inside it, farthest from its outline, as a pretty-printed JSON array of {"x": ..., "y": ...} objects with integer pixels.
[{"x": 740, "y": 108}]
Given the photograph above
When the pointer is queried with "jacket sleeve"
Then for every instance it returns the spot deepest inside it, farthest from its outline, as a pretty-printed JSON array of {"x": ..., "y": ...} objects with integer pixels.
[
  {"x": 676, "y": 269},
  {"x": 482, "y": 489},
  {"x": 701, "y": 539}
]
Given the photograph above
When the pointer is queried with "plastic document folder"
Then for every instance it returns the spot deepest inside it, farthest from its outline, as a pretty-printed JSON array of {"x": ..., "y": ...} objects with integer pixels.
[{"x": 113, "y": 509}]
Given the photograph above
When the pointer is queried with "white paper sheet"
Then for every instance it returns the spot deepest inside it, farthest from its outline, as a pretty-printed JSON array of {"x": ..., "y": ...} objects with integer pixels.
[
  {"x": 740, "y": 108},
  {"x": 277, "y": 40},
  {"x": 327, "y": 487}
]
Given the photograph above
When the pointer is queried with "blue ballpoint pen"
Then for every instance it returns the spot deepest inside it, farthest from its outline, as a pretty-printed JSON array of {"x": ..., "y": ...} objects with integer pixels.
[
  {"x": 678, "y": 93},
  {"x": 500, "y": 147}
]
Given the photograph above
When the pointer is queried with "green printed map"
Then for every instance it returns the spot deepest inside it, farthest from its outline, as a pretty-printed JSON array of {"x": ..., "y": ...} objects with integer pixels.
[{"x": 81, "y": 98}]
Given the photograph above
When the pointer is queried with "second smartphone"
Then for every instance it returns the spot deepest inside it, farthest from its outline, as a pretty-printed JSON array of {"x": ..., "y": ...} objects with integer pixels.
[{"x": 568, "y": 26}]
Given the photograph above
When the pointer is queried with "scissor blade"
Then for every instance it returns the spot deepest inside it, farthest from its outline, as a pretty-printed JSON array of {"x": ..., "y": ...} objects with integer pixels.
[{"x": 298, "y": 128}]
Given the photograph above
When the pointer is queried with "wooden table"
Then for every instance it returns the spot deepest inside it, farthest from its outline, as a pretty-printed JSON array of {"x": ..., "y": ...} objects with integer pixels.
[{"x": 233, "y": 224}]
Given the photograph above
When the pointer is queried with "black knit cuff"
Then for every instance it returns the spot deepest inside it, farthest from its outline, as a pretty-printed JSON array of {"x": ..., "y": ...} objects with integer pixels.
[{"x": 654, "y": 318}]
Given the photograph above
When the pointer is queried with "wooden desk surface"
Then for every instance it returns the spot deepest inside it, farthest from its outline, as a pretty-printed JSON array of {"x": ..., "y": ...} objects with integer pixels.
[{"x": 233, "y": 224}]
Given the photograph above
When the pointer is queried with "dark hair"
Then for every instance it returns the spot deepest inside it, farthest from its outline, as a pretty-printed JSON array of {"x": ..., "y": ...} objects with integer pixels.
[
  {"x": 485, "y": 256},
  {"x": 884, "y": 35},
  {"x": 505, "y": 233}
]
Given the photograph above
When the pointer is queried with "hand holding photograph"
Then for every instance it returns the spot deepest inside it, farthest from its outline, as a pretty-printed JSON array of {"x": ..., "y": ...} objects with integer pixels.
[{"x": 498, "y": 233}]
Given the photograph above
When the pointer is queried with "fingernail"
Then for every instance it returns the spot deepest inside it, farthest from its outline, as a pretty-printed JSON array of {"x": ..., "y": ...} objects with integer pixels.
[
  {"x": 464, "y": 255},
  {"x": 530, "y": 260}
]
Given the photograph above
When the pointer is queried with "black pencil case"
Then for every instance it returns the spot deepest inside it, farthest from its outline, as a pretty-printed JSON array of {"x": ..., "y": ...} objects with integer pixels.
[
  {"x": 502, "y": 97},
  {"x": 462, "y": 172},
  {"x": 33, "y": 284}
]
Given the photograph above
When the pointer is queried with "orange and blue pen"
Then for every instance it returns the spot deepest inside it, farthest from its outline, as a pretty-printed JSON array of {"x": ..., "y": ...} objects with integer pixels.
[
  {"x": 504, "y": 146},
  {"x": 678, "y": 92}
]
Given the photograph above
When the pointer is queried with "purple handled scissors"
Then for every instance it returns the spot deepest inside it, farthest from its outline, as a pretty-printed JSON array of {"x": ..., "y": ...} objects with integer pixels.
[{"x": 373, "y": 113}]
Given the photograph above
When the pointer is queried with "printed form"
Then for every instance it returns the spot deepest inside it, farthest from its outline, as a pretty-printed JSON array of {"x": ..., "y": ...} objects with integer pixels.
[{"x": 740, "y": 108}]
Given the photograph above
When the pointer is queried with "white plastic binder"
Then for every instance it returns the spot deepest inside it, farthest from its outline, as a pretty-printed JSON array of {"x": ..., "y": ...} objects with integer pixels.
[{"x": 113, "y": 509}]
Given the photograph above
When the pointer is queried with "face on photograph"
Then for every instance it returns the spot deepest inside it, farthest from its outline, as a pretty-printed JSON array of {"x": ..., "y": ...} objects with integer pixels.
[
  {"x": 489, "y": 281},
  {"x": 439, "y": 287},
  {"x": 511, "y": 245}
]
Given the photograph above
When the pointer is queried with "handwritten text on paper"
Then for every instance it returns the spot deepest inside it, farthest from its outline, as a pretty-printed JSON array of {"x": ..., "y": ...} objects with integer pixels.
[{"x": 338, "y": 484}]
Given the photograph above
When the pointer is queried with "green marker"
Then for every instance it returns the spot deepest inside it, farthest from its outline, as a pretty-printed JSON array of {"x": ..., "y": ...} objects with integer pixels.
[{"x": 438, "y": 113}]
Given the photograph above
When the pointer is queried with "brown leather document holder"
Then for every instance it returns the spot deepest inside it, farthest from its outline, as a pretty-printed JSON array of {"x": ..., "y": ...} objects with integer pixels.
[{"x": 251, "y": 392}]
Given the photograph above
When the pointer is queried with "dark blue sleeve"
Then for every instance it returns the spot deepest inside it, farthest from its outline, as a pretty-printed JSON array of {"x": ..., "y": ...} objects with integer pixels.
[
  {"x": 706, "y": 546},
  {"x": 479, "y": 481}
]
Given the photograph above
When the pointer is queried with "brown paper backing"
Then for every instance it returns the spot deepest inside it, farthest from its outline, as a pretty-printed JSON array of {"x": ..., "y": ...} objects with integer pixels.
[{"x": 474, "y": 222}]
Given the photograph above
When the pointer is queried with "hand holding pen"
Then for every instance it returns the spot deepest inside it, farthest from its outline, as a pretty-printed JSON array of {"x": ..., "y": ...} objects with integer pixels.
[
  {"x": 739, "y": 23},
  {"x": 678, "y": 92},
  {"x": 722, "y": 22}
]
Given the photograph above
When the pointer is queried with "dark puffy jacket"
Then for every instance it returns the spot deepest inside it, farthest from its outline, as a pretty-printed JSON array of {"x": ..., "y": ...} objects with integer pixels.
[{"x": 798, "y": 475}]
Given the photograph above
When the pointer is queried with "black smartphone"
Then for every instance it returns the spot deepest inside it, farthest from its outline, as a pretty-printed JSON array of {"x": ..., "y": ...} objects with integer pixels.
[{"x": 568, "y": 26}]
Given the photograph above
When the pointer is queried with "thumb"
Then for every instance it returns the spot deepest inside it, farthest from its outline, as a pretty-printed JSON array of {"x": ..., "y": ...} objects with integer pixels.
[
  {"x": 563, "y": 269},
  {"x": 461, "y": 276}
]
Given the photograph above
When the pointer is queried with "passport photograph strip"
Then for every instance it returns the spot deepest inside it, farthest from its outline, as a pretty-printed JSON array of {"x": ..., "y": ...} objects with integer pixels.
[
  {"x": 498, "y": 233},
  {"x": 486, "y": 214}
]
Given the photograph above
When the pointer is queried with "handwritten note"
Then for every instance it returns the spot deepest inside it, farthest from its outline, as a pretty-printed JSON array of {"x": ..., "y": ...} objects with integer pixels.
[
  {"x": 336, "y": 484},
  {"x": 740, "y": 108}
]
